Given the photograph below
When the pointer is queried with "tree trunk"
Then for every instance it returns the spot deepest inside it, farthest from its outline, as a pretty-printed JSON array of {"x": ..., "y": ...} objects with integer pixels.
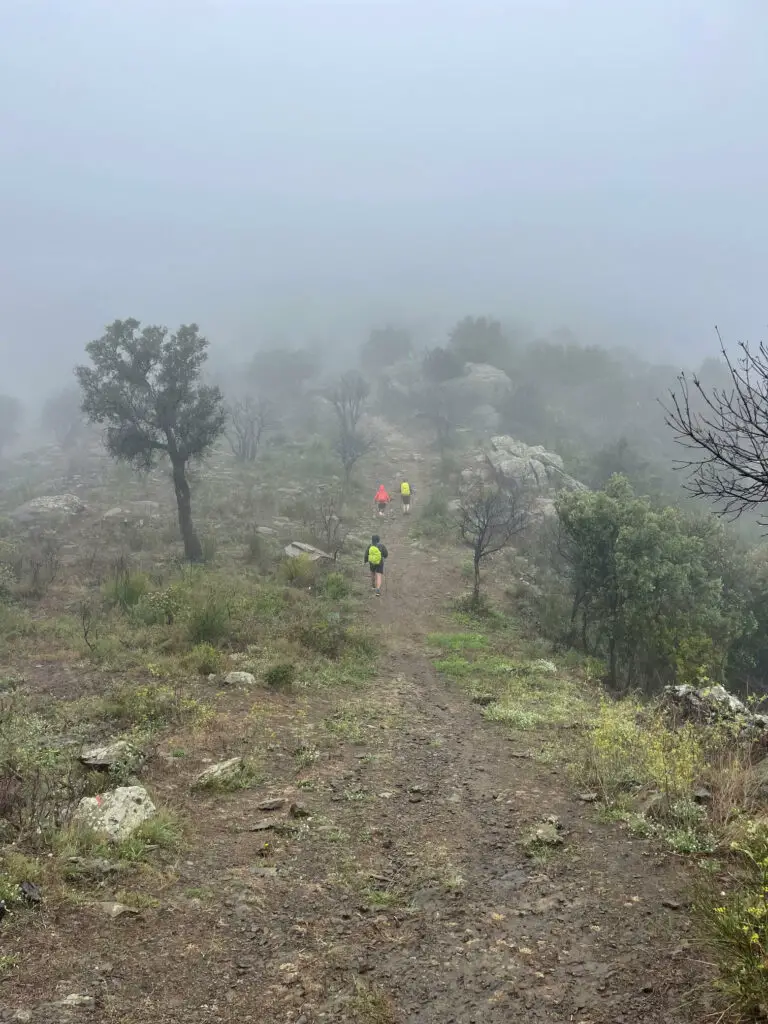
[
  {"x": 476, "y": 584},
  {"x": 192, "y": 548}
]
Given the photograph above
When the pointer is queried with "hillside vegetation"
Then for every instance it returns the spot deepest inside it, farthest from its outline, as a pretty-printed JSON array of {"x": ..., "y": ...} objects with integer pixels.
[{"x": 526, "y": 781}]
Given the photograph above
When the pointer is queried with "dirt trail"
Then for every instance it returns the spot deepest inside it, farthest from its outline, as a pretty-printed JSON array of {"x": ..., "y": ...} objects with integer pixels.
[{"x": 405, "y": 897}]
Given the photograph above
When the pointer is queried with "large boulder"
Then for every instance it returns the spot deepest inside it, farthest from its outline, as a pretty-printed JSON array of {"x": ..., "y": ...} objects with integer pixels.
[
  {"x": 297, "y": 548},
  {"x": 711, "y": 704},
  {"x": 49, "y": 508},
  {"x": 222, "y": 774},
  {"x": 116, "y": 814},
  {"x": 513, "y": 463},
  {"x": 110, "y": 756},
  {"x": 480, "y": 385}
]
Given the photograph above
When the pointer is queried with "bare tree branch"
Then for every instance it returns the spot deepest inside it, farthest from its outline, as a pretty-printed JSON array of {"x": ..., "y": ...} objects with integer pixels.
[
  {"x": 726, "y": 429},
  {"x": 488, "y": 519}
]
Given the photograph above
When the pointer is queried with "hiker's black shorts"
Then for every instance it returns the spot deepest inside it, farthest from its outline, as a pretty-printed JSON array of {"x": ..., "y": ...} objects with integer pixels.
[
  {"x": 406, "y": 499},
  {"x": 382, "y": 506},
  {"x": 377, "y": 568}
]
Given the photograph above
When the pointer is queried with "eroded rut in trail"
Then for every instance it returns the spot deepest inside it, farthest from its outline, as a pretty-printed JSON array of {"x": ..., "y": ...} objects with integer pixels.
[{"x": 405, "y": 896}]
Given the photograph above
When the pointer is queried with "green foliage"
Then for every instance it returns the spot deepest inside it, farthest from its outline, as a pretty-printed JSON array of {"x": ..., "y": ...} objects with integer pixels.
[
  {"x": 326, "y": 636},
  {"x": 335, "y": 586},
  {"x": 442, "y": 364},
  {"x": 735, "y": 925},
  {"x": 7, "y": 582},
  {"x": 159, "y": 607},
  {"x": 205, "y": 659},
  {"x": 299, "y": 572},
  {"x": 145, "y": 386},
  {"x": 646, "y": 585},
  {"x": 434, "y": 520},
  {"x": 280, "y": 677},
  {"x": 459, "y": 641},
  {"x": 39, "y": 781},
  {"x": 153, "y": 706},
  {"x": 125, "y": 588},
  {"x": 209, "y": 620},
  {"x": 629, "y": 746}
]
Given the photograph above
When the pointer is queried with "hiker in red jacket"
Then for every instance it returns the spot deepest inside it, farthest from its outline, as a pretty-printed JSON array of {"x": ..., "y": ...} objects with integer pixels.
[{"x": 382, "y": 499}]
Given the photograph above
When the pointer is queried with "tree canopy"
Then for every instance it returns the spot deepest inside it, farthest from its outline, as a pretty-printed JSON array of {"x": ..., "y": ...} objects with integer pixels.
[{"x": 145, "y": 385}]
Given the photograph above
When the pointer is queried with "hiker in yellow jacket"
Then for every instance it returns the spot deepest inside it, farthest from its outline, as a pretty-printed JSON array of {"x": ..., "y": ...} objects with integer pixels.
[{"x": 405, "y": 494}]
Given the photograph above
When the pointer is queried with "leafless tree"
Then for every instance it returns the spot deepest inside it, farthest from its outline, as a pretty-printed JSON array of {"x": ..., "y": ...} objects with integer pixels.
[
  {"x": 488, "y": 519},
  {"x": 325, "y": 523},
  {"x": 726, "y": 430},
  {"x": 249, "y": 419},
  {"x": 348, "y": 397}
]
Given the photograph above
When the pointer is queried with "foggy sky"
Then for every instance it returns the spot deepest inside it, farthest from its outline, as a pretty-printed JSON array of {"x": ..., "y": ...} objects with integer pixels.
[{"x": 304, "y": 168}]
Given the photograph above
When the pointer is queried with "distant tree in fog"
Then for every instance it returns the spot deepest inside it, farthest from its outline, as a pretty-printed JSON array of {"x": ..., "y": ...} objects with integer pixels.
[
  {"x": 11, "y": 411},
  {"x": 480, "y": 340},
  {"x": 248, "y": 420},
  {"x": 441, "y": 364},
  {"x": 348, "y": 397},
  {"x": 726, "y": 430},
  {"x": 384, "y": 347},
  {"x": 63, "y": 416},
  {"x": 144, "y": 384}
]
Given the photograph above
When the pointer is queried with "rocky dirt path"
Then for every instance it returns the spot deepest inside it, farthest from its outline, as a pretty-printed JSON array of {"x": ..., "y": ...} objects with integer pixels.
[{"x": 405, "y": 896}]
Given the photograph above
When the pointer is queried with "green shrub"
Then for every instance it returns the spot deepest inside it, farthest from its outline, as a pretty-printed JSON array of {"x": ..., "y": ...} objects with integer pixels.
[
  {"x": 299, "y": 572},
  {"x": 205, "y": 659},
  {"x": 159, "y": 607},
  {"x": 7, "y": 582},
  {"x": 336, "y": 586},
  {"x": 152, "y": 706},
  {"x": 324, "y": 636},
  {"x": 257, "y": 551},
  {"x": 630, "y": 746},
  {"x": 209, "y": 546},
  {"x": 280, "y": 676},
  {"x": 735, "y": 925},
  {"x": 126, "y": 588},
  {"x": 209, "y": 619}
]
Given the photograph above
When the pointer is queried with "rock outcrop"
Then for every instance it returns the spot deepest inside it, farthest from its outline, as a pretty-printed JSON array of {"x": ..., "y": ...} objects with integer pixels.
[
  {"x": 116, "y": 814},
  {"x": 711, "y": 704},
  {"x": 50, "y": 508}
]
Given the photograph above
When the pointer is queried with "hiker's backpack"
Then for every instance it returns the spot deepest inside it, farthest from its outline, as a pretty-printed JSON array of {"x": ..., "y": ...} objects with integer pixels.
[
  {"x": 374, "y": 555},
  {"x": 405, "y": 489}
]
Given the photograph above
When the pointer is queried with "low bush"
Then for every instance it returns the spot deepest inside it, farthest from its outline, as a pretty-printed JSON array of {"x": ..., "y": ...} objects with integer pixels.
[
  {"x": 152, "y": 706},
  {"x": 299, "y": 572},
  {"x": 280, "y": 676},
  {"x": 734, "y": 923},
  {"x": 335, "y": 586},
  {"x": 630, "y": 746},
  {"x": 326, "y": 636},
  {"x": 125, "y": 588},
  {"x": 205, "y": 659},
  {"x": 209, "y": 619}
]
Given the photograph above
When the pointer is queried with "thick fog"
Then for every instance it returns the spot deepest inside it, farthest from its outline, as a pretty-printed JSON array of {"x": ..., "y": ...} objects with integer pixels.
[{"x": 299, "y": 170}]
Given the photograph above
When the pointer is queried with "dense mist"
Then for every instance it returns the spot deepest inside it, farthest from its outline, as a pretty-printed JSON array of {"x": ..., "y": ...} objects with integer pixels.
[{"x": 295, "y": 172}]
